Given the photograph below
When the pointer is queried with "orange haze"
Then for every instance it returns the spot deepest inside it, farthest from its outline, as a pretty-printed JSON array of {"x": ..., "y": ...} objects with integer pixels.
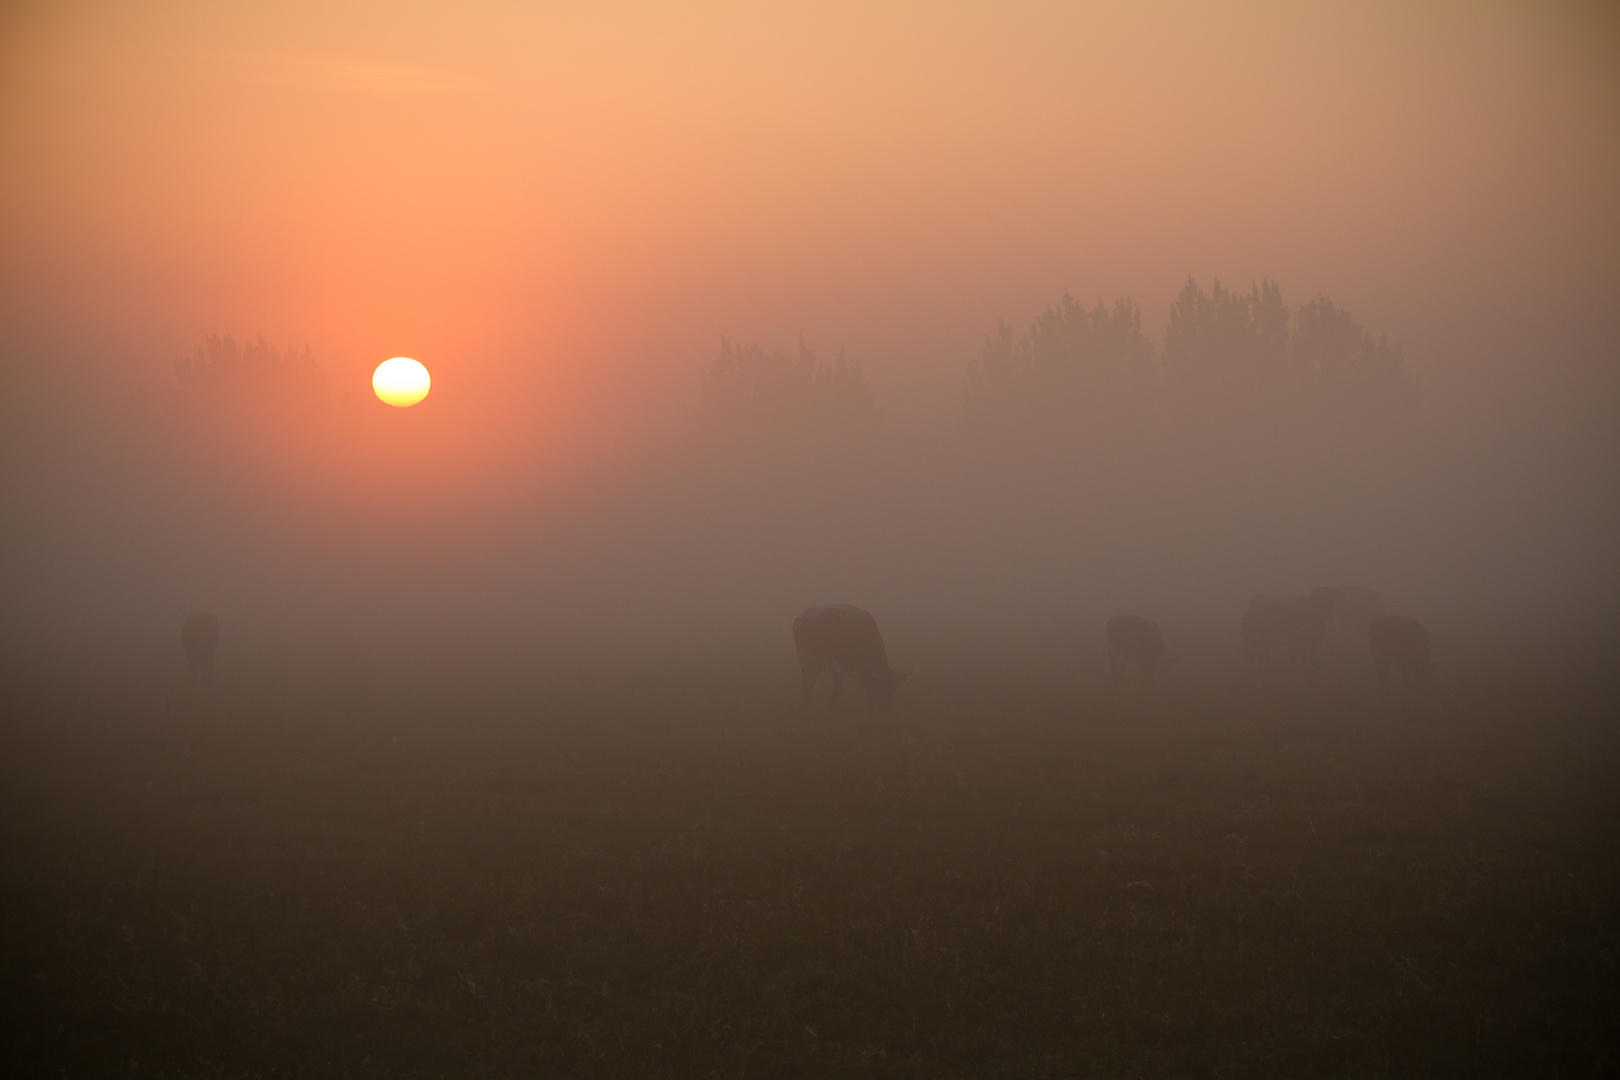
[{"x": 562, "y": 209}]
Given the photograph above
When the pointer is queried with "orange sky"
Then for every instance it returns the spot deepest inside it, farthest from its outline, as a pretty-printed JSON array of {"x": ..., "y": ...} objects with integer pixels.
[{"x": 579, "y": 201}]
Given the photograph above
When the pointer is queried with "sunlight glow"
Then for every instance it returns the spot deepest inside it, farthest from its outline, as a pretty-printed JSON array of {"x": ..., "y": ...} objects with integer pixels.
[{"x": 401, "y": 381}]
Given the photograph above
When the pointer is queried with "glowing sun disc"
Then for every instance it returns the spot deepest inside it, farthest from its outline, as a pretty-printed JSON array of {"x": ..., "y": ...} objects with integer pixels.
[{"x": 401, "y": 381}]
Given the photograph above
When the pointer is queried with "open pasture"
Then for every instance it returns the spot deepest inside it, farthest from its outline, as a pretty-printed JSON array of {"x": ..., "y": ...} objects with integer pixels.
[{"x": 694, "y": 875}]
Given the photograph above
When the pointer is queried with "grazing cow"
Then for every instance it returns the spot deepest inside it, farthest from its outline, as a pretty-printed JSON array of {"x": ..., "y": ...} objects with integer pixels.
[
  {"x": 1400, "y": 643},
  {"x": 1292, "y": 624},
  {"x": 200, "y": 639},
  {"x": 1133, "y": 638},
  {"x": 1350, "y": 610},
  {"x": 845, "y": 641}
]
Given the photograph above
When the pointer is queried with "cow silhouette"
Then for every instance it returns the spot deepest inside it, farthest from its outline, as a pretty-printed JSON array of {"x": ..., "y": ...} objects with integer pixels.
[
  {"x": 844, "y": 641},
  {"x": 1133, "y": 639},
  {"x": 1350, "y": 611},
  {"x": 1401, "y": 644},
  {"x": 199, "y": 637}
]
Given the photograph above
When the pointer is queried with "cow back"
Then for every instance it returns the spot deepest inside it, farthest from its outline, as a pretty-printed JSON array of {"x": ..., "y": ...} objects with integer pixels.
[{"x": 844, "y": 635}]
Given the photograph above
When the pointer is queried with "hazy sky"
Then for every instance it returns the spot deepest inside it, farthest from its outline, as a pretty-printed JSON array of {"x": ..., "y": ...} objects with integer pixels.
[
  {"x": 590, "y": 195},
  {"x": 561, "y": 210}
]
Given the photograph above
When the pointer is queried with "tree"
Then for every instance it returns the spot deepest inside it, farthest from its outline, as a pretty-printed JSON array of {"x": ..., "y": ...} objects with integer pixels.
[
  {"x": 1075, "y": 361},
  {"x": 759, "y": 392},
  {"x": 251, "y": 406},
  {"x": 1227, "y": 339},
  {"x": 256, "y": 378},
  {"x": 1344, "y": 362},
  {"x": 1249, "y": 344}
]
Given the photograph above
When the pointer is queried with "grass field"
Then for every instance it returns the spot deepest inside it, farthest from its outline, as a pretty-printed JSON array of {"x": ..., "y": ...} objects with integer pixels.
[{"x": 693, "y": 876}]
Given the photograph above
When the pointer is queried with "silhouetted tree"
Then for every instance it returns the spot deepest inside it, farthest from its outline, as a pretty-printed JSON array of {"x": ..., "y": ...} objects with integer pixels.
[
  {"x": 1247, "y": 343},
  {"x": 251, "y": 405},
  {"x": 1243, "y": 381},
  {"x": 256, "y": 377},
  {"x": 1076, "y": 362},
  {"x": 1227, "y": 339},
  {"x": 750, "y": 389},
  {"x": 1344, "y": 362}
]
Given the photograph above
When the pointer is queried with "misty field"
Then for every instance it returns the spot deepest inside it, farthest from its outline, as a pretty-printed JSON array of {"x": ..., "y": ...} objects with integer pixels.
[{"x": 694, "y": 875}]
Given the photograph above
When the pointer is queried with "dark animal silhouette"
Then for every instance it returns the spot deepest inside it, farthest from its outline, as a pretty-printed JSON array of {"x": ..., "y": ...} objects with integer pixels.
[
  {"x": 1133, "y": 639},
  {"x": 1400, "y": 644},
  {"x": 1293, "y": 625},
  {"x": 1350, "y": 611},
  {"x": 199, "y": 637},
  {"x": 844, "y": 640}
]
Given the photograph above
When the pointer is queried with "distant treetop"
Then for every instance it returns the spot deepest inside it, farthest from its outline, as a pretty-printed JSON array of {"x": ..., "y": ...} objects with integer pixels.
[
  {"x": 1095, "y": 367},
  {"x": 1223, "y": 337},
  {"x": 750, "y": 388},
  {"x": 1068, "y": 354},
  {"x": 256, "y": 373}
]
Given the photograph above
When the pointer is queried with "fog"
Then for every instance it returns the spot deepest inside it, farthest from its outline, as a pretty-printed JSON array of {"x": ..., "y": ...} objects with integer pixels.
[
  {"x": 995, "y": 321},
  {"x": 573, "y": 218}
]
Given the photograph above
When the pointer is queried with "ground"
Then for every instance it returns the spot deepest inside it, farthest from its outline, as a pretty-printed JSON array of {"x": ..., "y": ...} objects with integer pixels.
[{"x": 690, "y": 876}]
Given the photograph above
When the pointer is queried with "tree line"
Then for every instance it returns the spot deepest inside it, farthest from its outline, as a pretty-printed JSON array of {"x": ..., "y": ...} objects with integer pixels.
[
  {"x": 1222, "y": 350},
  {"x": 1073, "y": 367}
]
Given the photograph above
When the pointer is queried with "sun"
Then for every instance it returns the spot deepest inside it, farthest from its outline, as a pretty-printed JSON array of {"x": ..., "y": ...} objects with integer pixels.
[{"x": 401, "y": 381}]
